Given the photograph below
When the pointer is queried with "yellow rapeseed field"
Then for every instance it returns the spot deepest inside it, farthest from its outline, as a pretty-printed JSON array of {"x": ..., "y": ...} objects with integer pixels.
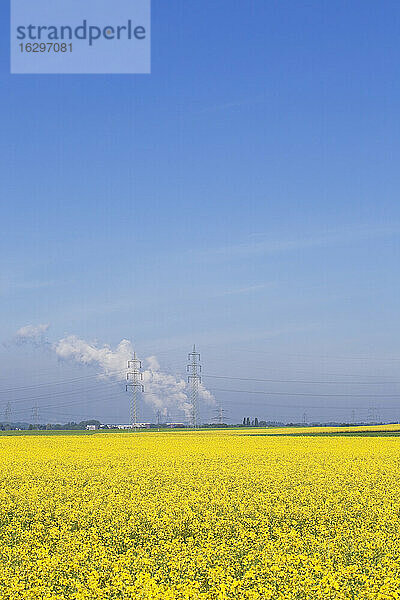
[{"x": 205, "y": 515}]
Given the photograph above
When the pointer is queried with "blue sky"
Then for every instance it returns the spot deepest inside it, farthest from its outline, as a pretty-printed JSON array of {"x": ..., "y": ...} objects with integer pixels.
[{"x": 243, "y": 196}]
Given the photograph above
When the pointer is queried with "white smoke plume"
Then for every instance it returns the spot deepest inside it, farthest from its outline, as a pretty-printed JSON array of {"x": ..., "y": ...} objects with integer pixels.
[
  {"x": 112, "y": 362},
  {"x": 32, "y": 333},
  {"x": 164, "y": 392}
]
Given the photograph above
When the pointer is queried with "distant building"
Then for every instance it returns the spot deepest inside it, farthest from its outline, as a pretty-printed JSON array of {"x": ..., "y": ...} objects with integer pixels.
[
  {"x": 130, "y": 426},
  {"x": 174, "y": 425},
  {"x": 91, "y": 427}
]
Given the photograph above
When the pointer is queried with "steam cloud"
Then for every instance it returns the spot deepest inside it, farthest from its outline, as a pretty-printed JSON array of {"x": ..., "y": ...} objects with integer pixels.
[
  {"x": 164, "y": 392},
  {"x": 32, "y": 333}
]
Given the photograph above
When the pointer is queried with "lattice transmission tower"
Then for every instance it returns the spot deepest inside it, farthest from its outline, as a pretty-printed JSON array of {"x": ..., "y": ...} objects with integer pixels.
[
  {"x": 219, "y": 414},
  {"x": 7, "y": 415},
  {"x": 35, "y": 416},
  {"x": 134, "y": 376},
  {"x": 194, "y": 379}
]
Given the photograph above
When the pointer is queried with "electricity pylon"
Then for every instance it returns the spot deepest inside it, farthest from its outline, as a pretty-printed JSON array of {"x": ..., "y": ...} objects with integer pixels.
[
  {"x": 194, "y": 379},
  {"x": 35, "y": 416},
  {"x": 134, "y": 376},
  {"x": 7, "y": 415},
  {"x": 219, "y": 414}
]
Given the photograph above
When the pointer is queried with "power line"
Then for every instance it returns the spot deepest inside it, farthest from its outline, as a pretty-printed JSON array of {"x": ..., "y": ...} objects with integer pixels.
[
  {"x": 311, "y": 394},
  {"x": 319, "y": 356},
  {"x": 194, "y": 379},
  {"x": 261, "y": 380},
  {"x": 303, "y": 405},
  {"x": 62, "y": 382},
  {"x": 72, "y": 403},
  {"x": 302, "y": 381},
  {"x": 271, "y": 380},
  {"x": 64, "y": 393}
]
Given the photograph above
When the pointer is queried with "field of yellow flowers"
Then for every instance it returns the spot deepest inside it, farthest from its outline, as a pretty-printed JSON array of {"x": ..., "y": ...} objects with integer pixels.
[{"x": 199, "y": 515}]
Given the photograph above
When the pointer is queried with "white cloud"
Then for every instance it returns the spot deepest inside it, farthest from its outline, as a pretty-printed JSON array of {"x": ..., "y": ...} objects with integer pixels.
[{"x": 31, "y": 333}]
